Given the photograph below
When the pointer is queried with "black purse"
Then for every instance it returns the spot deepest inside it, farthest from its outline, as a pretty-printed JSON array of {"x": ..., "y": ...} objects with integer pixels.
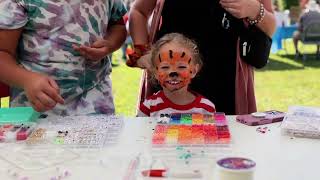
[{"x": 255, "y": 46}]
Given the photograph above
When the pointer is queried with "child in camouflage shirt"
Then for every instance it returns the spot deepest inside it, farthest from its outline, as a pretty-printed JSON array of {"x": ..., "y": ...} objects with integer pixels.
[{"x": 53, "y": 53}]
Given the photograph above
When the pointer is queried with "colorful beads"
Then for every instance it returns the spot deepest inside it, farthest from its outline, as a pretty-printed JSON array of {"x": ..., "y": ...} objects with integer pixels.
[{"x": 189, "y": 129}]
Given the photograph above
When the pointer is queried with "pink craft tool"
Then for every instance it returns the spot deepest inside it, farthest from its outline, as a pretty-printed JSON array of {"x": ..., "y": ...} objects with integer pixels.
[
  {"x": 174, "y": 174},
  {"x": 131, "y": 170}
]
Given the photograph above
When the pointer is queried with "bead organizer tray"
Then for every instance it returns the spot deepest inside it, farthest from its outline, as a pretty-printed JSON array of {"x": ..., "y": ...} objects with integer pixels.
[
  {"x": 17, "y": 123},
  {"x": 16, "y": 131},
  {"x": 302, "y": 121},
  {"x": 18, "y": 115},
  {"x": 197, "y": 130},
  {"x": 78, "y": 131}
]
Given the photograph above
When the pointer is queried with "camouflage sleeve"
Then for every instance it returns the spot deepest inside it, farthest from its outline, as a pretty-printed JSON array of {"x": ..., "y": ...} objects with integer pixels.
[
  {"x": 118, "y": 10},
  {"x": 12, "y": 14}
]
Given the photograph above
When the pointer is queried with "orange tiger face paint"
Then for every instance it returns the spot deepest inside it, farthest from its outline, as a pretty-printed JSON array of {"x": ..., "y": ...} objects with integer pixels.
[{"x": 174, "y": 69}]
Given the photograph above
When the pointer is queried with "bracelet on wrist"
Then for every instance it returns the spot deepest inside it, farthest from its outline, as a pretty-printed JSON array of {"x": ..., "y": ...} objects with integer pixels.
[
  {"x": 259, "y": 17},
  {"x": 132, "y": 60},
  {"x": 139, "y": 50}
]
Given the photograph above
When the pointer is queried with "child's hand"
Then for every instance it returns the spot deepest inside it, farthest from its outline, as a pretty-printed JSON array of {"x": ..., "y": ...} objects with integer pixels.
[
  {"x": 42, "y": 92},
  {"x": 140, "y": 57},
  {"x": 145, "y": 62},
  {"x": 97, "y": 51}
]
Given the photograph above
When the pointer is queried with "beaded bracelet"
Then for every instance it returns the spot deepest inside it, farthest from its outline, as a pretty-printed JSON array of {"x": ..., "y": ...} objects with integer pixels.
[{"x": 260, "y": 16}]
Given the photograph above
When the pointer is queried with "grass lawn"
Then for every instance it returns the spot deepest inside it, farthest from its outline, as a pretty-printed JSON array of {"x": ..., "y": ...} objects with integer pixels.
[
  {"x": 126, "y": 83},
  {"x": 283, "y": 82},
  {"x": 286, "y": 81}
]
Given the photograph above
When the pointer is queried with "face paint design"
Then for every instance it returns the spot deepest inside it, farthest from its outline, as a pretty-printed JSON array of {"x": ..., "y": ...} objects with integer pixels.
[{"x": 174, "y": 69}]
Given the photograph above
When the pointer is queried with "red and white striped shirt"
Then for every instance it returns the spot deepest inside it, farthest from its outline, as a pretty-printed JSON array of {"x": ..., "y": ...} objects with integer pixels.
[{"x": 158, "y": 104}]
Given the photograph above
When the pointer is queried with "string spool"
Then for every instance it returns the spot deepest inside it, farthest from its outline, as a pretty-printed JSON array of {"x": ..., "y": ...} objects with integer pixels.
[{"x": 235, "y": 168}]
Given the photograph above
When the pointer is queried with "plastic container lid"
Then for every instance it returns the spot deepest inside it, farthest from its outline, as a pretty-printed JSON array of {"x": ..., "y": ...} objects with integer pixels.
[
  {"x": 18, "y": 114},
  {"x": 236, "y": 164},
  {"x": 259, "y": 114}
]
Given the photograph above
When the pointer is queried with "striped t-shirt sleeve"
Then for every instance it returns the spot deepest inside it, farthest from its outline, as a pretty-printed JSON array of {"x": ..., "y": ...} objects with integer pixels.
[{"x": 144, "y": 109}]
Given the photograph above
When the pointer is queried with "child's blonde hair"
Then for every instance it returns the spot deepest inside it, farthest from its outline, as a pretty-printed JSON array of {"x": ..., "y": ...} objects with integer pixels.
[{"x": 182, "y": 41}]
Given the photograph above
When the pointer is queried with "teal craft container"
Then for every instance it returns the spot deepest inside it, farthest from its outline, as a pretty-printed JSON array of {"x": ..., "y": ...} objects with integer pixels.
[{"x": 18, "y": 115}]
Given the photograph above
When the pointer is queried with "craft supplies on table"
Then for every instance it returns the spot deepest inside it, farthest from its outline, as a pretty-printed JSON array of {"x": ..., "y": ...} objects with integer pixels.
[
  {"x": 302, "y": 121},
  {"x": 261, "y": 118},
  {"x": 167, "y": 167},
  {"x": 174, "y": 174},
  {"x": 18, "y": 115},
  {"x": 17, "y": 123},
  {"x": 78, "y": 131},
  {"x": 15, "y": 131},
  {"x": 192, "y": 130},
  {"x": 235, "y": 168},
  {"x": 34, "y": 158},
  {"x": 4, "y": 102},
  {"x": 189, "y": 136},
  {"x": 131, "y": 171}
]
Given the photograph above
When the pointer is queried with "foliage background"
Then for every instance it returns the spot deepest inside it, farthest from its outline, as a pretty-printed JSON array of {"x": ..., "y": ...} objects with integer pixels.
[{"x": 286, "y": 4}]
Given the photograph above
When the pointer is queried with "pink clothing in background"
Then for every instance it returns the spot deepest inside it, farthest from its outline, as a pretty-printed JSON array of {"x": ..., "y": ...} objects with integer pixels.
[{"x": 245, "y": 98}]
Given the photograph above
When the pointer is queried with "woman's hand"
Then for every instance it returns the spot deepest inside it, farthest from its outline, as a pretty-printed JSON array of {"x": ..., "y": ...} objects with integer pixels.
[
  {"x": 97, "y": 51},
  {"x": 42, "y": 92},
  {"x": 242, "y": 8}
]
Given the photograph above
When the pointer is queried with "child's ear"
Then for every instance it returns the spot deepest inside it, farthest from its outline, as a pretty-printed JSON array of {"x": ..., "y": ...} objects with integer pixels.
[{"x": 195, "y": 70}]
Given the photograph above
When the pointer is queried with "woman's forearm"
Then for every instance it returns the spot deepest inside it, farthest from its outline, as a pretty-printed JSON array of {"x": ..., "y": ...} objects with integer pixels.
[
  {"x": 268, "y": 24},
  {"x": 138, "y": 20},
  {"x": 138, "y": 25}
]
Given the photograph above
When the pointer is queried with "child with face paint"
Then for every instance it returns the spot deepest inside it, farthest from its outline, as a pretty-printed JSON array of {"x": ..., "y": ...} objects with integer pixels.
[{"x": 175, "y": 61}]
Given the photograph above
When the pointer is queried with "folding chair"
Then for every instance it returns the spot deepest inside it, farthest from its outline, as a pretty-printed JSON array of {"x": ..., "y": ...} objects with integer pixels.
[{"x": 311, "y": 35}]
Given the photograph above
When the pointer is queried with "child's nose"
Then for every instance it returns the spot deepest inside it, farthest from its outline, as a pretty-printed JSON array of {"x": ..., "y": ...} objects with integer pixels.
[{"x": 173, "y": 74}]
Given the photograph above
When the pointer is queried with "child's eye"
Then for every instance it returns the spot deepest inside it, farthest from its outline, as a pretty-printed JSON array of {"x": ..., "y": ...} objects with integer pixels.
[
  {"x": 182, "y": 67},
  {"x": 164, "y": 67}
]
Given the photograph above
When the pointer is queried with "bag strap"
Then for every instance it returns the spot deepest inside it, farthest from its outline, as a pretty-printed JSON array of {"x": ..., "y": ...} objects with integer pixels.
[{"x": 155, "y": 20}]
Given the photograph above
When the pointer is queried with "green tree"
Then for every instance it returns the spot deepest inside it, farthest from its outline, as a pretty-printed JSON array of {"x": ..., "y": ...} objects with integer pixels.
[{"x": 286, "y": 4}]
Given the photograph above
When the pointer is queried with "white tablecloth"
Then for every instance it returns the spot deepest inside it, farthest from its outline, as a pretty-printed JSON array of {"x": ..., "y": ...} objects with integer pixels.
[{"x": 278, "y": 157}]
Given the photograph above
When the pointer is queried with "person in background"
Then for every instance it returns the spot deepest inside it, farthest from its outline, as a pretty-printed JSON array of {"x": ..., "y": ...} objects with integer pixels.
[
  {"x": 175, "y": 62},
  {"x": 216, "y": 27},
  {"x": 282, "y": 17},
  {"x": 309, "y": 15},
  {"x": 55, "y": 55},
  {"x": 303, "y": 3},
  {"x": 278, "y": 15}
]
